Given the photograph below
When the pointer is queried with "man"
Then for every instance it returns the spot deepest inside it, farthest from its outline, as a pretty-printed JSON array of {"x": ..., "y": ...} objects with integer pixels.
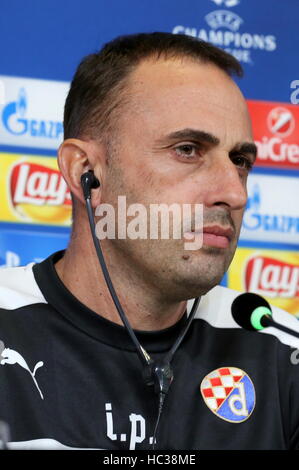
[{"x": 158, "y": 119}]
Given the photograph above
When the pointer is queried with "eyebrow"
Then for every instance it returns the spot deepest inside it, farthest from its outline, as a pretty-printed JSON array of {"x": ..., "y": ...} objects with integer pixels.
[
  {"x": 193, "y": 134},
  {"x": 245, "y": 147},
  {"x": 206, "y": 137}
]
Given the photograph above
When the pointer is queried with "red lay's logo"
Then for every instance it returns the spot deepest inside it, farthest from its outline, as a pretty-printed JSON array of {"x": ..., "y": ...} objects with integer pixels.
[
  {"x": 36, "y": 184},
  {"x": 39, "y": 193},
  {"x": 271, "y": 277}
]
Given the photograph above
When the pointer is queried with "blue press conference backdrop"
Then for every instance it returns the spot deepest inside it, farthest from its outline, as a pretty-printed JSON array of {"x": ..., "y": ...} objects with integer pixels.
[
  {"x": 41, "y": 43},
  {"x": 47, "y": 39}
]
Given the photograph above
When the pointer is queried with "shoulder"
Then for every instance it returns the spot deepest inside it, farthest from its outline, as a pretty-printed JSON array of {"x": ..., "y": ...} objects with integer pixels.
[
  {"x": 215, "y": 308},
  {"x": 18, "y": 287}
]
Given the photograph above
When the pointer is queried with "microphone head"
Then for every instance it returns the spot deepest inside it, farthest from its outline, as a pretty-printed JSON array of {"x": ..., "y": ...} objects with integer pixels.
[{"x": 244, "y": 305}]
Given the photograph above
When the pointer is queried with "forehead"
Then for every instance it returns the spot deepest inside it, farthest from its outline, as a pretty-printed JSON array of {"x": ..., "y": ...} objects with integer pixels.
[{"x": 182, "y": 93}]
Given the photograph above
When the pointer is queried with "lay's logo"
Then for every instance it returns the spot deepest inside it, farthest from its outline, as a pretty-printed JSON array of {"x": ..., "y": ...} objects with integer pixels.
[
  {"x": 38, "y": 193},
  {"x": 271, "y": 277},
  {"x": 37, "y": 184}
]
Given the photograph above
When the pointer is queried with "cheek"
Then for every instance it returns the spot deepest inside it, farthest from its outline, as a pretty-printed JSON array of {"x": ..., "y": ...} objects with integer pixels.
[
  {"x": 168, "y": 181},
  {"x": 151, "y": 185},
  {"x": 144, "y": 177},
  {"x": 237, "y": 217}
]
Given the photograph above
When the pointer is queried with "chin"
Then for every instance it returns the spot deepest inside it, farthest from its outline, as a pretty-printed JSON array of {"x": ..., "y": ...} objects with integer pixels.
[
  {"x": 212, "y": 261},
  {"x": 189, "y": 286}
]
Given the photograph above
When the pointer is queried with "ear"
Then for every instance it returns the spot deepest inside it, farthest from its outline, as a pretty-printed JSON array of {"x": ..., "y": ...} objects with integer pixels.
[{"x": 75, "y": 157}]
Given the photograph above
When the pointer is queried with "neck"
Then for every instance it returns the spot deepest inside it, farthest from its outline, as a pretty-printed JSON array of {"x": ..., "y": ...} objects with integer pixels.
[{"x": 80, "y": 272}]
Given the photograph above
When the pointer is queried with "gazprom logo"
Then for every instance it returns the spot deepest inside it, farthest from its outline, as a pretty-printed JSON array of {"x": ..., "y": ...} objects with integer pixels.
[
  {"x": 255, "y": 219},
  {"x": 254, "y": 200},
  {"x": 21, "y": 103},
  {"x": 16, "y": 123},
  {"x": 224, "y": 19}
]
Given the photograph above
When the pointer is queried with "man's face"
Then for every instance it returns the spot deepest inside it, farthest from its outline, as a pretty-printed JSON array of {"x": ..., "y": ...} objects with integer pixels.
[{"x": 179, "y": 141}]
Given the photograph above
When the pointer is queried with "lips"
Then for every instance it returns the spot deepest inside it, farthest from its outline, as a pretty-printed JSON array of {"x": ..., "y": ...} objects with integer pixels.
[
  {"x": 219, "y": 231},
  {"x": 211, "y": 235},
  {"x": 217, "y": 236}
]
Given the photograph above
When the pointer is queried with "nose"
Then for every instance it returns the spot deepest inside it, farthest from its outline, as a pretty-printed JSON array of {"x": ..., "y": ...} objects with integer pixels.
[{"x": 227, "y": 184}]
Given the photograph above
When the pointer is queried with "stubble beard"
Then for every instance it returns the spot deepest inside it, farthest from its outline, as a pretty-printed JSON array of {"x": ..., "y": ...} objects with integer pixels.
[{"x": 164, "y": 265}]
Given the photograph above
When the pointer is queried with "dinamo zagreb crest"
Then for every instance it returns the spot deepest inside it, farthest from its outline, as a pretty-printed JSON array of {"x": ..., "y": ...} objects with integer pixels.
[{"x": 229, "y": 393}]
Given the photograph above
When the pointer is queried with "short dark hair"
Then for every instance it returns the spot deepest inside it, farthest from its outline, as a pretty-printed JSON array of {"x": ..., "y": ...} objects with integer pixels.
[{"x": 100, "y": 79}]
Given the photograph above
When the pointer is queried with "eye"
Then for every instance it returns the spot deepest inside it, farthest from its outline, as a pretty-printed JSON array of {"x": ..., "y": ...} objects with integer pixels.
[
  {"x": 188, "y": 151},
  {"x": 242, "y": 161}
]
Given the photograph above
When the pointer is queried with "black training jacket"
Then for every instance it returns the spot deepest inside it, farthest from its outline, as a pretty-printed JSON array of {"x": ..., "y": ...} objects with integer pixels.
[{"x": 69, "y": 378}]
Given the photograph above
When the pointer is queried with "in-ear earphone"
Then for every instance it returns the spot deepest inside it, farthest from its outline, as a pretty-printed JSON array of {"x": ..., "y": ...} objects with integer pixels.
[{"x": 88, "y": 182}]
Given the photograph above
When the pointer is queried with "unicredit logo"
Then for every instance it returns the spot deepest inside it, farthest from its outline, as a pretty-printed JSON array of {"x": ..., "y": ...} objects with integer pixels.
[
  {"x": 275, "y": 130},
  {"x": 277, "y": 151},
  {"x": 281, "y": 121}
]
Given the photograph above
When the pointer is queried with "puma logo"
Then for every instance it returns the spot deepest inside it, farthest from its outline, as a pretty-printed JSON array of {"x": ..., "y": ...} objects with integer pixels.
[{"x": 9, "y": 356}]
